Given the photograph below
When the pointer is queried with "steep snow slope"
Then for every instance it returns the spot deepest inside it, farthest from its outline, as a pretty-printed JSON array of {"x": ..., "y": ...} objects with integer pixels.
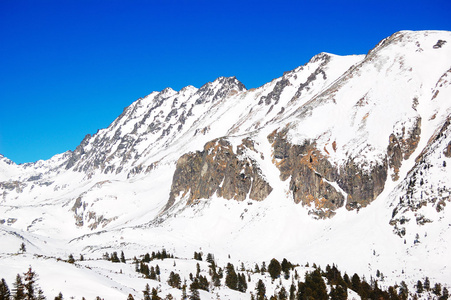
[{"x": 378, "y": 121}]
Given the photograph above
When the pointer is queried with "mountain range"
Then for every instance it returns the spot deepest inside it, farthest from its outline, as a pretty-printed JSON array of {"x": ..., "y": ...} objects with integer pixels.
[{"x": 344, "y": 160}]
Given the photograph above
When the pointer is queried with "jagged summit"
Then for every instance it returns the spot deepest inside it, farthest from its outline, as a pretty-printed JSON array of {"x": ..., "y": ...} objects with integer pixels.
[{"x": 343, "y": 150}]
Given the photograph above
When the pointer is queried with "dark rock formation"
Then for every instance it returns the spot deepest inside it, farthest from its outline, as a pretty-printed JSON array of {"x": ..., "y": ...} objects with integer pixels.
[
  {"x": 217, "y": 169},
  {"x": 313, "y": 177},
  {"x": 401, "y": 146},
  {"x": 417, "y": 190}
]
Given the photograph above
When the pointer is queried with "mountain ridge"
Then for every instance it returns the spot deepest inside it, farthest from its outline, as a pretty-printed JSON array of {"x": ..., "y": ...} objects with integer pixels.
[{"x": 354, "y": 148}]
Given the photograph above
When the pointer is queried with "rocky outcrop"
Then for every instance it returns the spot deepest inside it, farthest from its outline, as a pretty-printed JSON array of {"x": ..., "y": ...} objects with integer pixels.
[
  {"x": 422, "y": 188},
  {"x": 218, "y": 169},
  {"x": 316, "y": 183},
  {"x": 402, "y": 144}
]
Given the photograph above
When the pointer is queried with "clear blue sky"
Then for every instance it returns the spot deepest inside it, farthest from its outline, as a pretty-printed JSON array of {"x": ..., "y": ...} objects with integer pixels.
[{"x": 68, "y": 68}]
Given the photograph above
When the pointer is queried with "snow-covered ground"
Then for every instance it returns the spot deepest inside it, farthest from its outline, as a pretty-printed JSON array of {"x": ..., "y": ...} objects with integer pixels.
[{"x": 109, "y": 194}]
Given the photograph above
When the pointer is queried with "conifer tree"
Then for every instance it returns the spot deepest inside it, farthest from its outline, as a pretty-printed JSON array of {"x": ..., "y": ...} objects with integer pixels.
[
  {"x": 283, "y": 294},
  {"x": 114, "y": 257},
  {"x": 231, "y": 280},
  {"x": 174, "y": 280},
  {"x": 59, "y": 297},
  {"x": 403, "y": 290},
  {"x": 184, "y": 297},
  {"x": 315, "y": 286},
  {"x": 286, "y": 267},
  {"x": 242, "y": 284},
  {"x": 274, "y": 268},
  {"x": 130, "y": 297},
  {"x": 261, "y": 290},
  {"x": 146, "y": 292},
  {"x": 427, "y": 284},
  {"x": 40, "y": 295},
  {"x": 347, "y": 280},
  {"x": 194, "y": 293},
  {"x": 155, "y": 294},
  {"x": 437, "y": 289},
  {"x": 197, "y": 270},
  {"x": 419, "y": 287},
  {"x": 339, "y": 293},
  {"x": 152, "y": 274},
  {"x": 256, "y": 269},
  {"x": 106, "y": 256},
  {"x": 147, "y": 257},
  {"x": 30, "y": 278},
  {"x": 157, "y": 270},
  {"x": 210, "y": 258},
  {"x": 82, "y": 257},
  {"x": 5, "y": 294},
  {"x": 445, "y": 294},
  {"x": 263, "y": 268},
  {"x": 18, "y": 289},
  {"x": 355, "y": 283},
  {"x": 292, "y": 291},
  {"x": 71, "y": 259},
  {"x": 22, "y": 248},
  {"x": 122, "y": 257}
]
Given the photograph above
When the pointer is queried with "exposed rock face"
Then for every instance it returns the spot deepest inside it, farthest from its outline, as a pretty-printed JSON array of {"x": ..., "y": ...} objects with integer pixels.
[
  {"x": 421, "y": 188},
  {"x": 315, "y": 181},
  {"x": 402, "y": 144},
  {"x": 217, "y": 169}
]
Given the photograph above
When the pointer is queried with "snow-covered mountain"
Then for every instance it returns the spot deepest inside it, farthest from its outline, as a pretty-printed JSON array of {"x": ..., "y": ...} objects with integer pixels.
[{"x": 343, "y": 160}]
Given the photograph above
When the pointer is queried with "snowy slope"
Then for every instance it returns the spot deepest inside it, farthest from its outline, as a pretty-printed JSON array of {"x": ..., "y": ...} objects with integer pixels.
[{"x": 389, "y": 109}]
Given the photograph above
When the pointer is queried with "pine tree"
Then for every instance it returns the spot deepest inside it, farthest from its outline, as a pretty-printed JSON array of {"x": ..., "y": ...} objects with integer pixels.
[
  {"x": 263, "y": 268},
  {"x": 315, "y": 286},
  {"x": 283, "y": 294},
  {"x": 292, "y": 291},
  {"x": 30, "y": 278},
  {"x": 114, "y": 257},
  {"x": 403, "y": 290},
  {"x": 197, "y": 270},
  {"x": 445, "y": 294},
  {"x": 261, "y": 290},
  {"x": 22, "y": 248},
  {"x": 231, "y": 280},
  {"x": 157, "y": 270},
  {"x": 274, "y": 268},
  {"x": 355, "y": 283},
  {"x": 71, "y": 259},
  {"x": 59, "y": 297},
  {"x": 256, "y": 269},
  {"x": 174, "y": 280},
  {"x": 242, "y": 284},
  {"x": 152, "y": 275},
  {"x": 147, "y": 257},
  {"x": 130, "y": 297},
  {"x": 122, "y": 257},
  {"x": 339, "y": 293},
  {"x": 184, "y": 297},
  {"x": 155, "y": 294},
  {"x": 5, "y": 294},
  {"x": 437, "y": 289},
  {"x": 18, "y": 289},
  {"x": 210, "y": 258},
  {"x": 40, "y": 295},
  {"x": 419, "y": 287},
  {"x": 194, "y": 293},
  {"x": 286, "y": 267},
  {"x": 82, "y": 257},
  {"x": 146, "y": 292},
  {"x": 427, "y": 284}
]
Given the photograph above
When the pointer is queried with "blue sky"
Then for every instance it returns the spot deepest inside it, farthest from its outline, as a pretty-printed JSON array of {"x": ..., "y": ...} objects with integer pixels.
[{"x": 68, "y": 68}]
